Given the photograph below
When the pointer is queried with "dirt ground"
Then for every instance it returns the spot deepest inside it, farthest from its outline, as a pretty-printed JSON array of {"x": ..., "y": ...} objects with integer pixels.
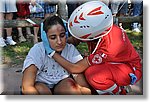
[{"x": 10, "y": 81}]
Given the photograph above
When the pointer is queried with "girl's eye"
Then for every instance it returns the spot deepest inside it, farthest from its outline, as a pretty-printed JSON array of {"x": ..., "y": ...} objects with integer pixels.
[
  {"x": 62, "y": 35},
  {"x": 52, "y": 37}
]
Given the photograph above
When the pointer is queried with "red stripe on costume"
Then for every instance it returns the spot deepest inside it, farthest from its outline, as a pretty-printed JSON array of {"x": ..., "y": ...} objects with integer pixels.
[
  {"x": 70, "y": 24},
  {"x": 108, "y": 29},
  {"x": 75, "y": 20},
  {"x": 96, "y": 11},
  {"x": 85, "y": 36},
  {"x": 100, "y": 34},
  {"x": 81, "y": 17},
  {"x": 116, "y": 90}
]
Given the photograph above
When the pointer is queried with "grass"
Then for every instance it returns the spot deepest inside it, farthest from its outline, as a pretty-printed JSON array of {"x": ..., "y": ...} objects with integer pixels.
[
  {"x": 83, "y": 48},
  {"x": 137, "y": 41},
  {"x": 15, "y": 55}
]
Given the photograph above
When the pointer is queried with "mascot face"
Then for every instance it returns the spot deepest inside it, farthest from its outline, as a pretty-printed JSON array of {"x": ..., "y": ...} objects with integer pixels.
[{"x": 90, "y": 21}]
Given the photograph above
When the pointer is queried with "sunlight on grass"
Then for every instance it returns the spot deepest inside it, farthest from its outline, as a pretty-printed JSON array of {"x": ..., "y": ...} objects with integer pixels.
[
  {"x": 134, "y": 33},
  {"x": 16, "y": 54},
  {"x": 21, "y": 49}
]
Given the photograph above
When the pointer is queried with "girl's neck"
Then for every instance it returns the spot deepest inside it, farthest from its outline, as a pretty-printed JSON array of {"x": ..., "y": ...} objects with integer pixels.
[{"x": 59, "y": 52}]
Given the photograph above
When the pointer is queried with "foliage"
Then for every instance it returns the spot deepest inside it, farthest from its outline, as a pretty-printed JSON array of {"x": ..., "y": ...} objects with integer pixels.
[{"x": 137, "y": 41}]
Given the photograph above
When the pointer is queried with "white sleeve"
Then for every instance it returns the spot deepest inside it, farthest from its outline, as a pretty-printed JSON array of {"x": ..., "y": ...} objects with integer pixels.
[
  {"x": 75, "y": 55},
  {"x": 35, "y": 56}
]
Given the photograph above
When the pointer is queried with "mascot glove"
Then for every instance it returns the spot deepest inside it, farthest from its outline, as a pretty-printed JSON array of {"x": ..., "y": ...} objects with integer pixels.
[
  {"x": 133, "y": 78},
  {"x": 49, "y": 51}
]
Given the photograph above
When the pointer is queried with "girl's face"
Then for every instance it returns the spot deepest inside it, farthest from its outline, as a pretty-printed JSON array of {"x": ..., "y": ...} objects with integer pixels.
[{"x": 57, "y": 37}]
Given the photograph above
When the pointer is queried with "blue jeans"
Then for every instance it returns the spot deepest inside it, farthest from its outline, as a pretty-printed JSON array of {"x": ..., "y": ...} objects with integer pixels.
[
  {"x": 137, "y": 8},
  {"x": 119, "y": 6}
]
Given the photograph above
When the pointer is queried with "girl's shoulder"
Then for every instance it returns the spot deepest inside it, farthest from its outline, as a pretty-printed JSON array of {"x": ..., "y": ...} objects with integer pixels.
[
  {"x": 70, "y": 49},
  {"x": 38, "y": 47}
]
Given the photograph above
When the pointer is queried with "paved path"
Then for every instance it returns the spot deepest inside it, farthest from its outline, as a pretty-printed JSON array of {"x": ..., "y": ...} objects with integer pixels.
[{"x": 10, "y": 81}]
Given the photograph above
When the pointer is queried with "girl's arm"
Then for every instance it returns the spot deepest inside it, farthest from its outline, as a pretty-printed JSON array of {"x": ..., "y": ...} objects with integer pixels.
[
  {"x": 78, "y": 67},
  {"x": 28, "y": 80}
]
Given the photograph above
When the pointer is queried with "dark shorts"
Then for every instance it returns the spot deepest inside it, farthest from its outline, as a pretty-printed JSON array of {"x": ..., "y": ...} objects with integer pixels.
[{"x": 52, "y": 86}]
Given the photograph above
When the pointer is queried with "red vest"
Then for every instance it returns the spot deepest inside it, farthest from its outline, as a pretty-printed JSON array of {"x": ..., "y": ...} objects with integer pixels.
[{"x": 116, "y": 47}]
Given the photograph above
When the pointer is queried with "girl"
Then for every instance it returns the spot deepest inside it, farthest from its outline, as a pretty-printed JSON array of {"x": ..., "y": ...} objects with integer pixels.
[{"x": 43, "y": 75}]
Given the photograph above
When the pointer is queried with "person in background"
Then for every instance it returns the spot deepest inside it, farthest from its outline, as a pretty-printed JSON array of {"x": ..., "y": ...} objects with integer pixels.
[
  {"x": 2, "y": 41},
  {"x": 119, "y": 8},
  {"x": 72, "y": 5},
  {"x": 7, "y": 10},
  {"x": 49, "y": 10},
  {"x": 42, "y": 74},
  {"x": 23, "y": 12},
  {"x": 137, "y": 11},
  {"x": 106, "y": 2}
]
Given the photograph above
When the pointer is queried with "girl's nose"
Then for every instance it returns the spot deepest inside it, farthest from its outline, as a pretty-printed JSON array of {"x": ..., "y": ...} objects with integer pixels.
[{"x": 59, "y": 40}]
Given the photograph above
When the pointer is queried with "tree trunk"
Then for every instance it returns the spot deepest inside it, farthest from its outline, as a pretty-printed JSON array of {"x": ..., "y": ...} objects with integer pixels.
[{"x": 20, "y": 23}]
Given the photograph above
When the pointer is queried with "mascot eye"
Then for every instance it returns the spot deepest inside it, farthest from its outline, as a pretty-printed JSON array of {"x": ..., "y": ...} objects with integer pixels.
[
  {"x": 84, "y": 26},
  {"x": 106, "y": 16}
]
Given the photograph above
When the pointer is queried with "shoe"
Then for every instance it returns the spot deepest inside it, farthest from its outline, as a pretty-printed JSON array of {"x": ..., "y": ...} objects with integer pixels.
[
  {"x": 2, "y": 42},
  {"x": 10, "y": 41},
  {"x": 30, "y": 36},
  {"x": 22, "y": 39},
  {"x": 125, "y": 90}
]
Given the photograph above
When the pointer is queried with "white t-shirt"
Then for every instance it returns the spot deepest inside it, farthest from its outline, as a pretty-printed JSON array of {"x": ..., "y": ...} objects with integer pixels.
[{"x": 49, "y": 71}]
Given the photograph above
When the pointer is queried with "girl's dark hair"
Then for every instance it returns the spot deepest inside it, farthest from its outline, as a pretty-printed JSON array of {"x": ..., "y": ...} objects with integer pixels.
[{"x": 52, "y": 20}]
